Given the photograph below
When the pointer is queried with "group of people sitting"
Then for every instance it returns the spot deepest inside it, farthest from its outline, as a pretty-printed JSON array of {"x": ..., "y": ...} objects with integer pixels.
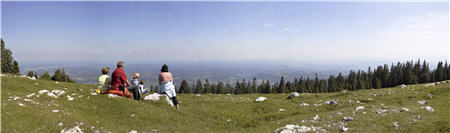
[{"x": 118, "y": 84}]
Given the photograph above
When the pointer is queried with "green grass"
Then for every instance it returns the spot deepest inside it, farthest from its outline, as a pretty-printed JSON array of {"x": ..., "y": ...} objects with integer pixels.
[{"x": 219, "y": 113}]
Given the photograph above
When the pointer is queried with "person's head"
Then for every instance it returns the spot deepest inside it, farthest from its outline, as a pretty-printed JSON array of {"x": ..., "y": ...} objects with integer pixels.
[
  {"x": 120, "y": 64},
  {"x": 105, "y": 70},
  {"x": 141, "y": 82},
  {"x": 136, "y": 75},
  {"x": 165, "y": 68}
]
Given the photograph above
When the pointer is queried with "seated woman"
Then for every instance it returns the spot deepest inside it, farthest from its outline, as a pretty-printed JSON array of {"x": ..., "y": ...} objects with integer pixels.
[
  {"x": 166, "y": 83},
  {"x": 103, "y": 81}
]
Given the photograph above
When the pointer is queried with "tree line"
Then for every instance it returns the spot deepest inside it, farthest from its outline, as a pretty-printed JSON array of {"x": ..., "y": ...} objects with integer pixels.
[
  {"x": 9, "y": 65},
  {"x": 59, "y": 75},
  {"x": 380, "y": 77}
]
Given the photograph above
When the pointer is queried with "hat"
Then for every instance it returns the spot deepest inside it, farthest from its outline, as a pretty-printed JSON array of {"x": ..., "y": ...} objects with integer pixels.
[{"x": 136, "y": 75}]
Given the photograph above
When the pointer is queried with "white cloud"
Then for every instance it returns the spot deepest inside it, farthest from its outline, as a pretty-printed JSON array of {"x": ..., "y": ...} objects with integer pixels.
[{"x": 268, "y": 25}]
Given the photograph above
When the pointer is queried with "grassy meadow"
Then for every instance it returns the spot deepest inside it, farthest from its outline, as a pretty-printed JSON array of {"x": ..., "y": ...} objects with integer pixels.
[{"x": 220, "y": 113}]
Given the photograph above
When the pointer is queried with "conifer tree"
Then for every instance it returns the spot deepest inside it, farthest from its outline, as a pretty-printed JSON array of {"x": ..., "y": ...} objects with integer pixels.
[
  {"x": 184, "y": 88},
  {"x": 282, "y": 85},
  {"x": 199, "y": 87},
  {"x": 16, "y": 69},
  {"x": 45, "y": 76},
  {"x": 331, "y": 84},
  {"x": 316, "y": 84},
  {"x": 254, "y": 86},
  {"x": 206, "y": 86},
  {"x": 220, "y": 88},
  {"x": 30, "y": 73}
]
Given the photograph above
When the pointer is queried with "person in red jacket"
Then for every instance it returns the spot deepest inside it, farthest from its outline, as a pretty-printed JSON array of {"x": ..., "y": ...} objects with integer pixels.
[{"x": 119, "y": 81}]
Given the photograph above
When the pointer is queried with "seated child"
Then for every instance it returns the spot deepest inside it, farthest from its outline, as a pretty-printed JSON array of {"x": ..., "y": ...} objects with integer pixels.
[
  {"x": 133, "y": 88},
  {"x": 142, "y": 90},
  {"x": 103, "y": 81}
]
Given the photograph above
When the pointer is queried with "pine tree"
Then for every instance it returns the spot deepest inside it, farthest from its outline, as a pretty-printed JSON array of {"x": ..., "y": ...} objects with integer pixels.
[
  {"x": 378, "y": 83},
  {"x": 309, "y": 85},
  {"x": 237, "y": 89},
  {"x": 425, "y": 75},
  {"x": 261, "y": 87},
  {"x": 446, "y": 71},
  {"x": 385, "y": 76},
  {"x": 16, "y": 69},
  {"x": 243, "y": 87},
  {"x": 439, "y": 72},
  {"x": 220, "y": 88},
  {"x": 254, "y": 86},
  {"x": 447, "y": 67},
  {"x": 369, "y": 78},
  {"x": 228, "y": 88},
  {"x": 199, "y": 87},
  {"x": 36, "y": 75},
  {"x": 289, "y": 87},
  {"x": 316, "y": 84},
  {"x": 45, "y": 76},
  {"x": 268, "y": 87},
  {"x": 409, "y": 76},
  {"x": 206, "y": 86},
  {"x": 61, "y": 75},
  {"x": 340, "y": 82},
  {"x": 282, "y": 85},
  {"x": 331, "y": 84},
  {"x": 184, "y": 88},
  {"x": 213, "y": 89},
  {"x": 248, "y": 88},
  {"x": 7, "y": 59},
  {"x": 30, "y": 73},
  {"x": 323, "y": 85}
]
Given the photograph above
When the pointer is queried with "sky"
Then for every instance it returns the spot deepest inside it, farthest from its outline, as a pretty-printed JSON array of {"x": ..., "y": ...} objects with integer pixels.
[{"x": 226, "y": 31}]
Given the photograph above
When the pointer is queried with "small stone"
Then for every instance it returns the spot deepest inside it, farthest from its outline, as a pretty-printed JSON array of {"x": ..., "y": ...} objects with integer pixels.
[
  {"x": 344, "y": 129},
  {"x": 403, "y": 86},
  {"x": 304, "y": 104},
  {"x": 347, "y": 119},
  {"x": 293, "y": 95},
  {"x": 69, "y": 98},
  {"x": 422, "y": 102},
  {"x": 261, "y": 99},
  {"x": 429, "y": 108},
  {"x": 430, "y": 96},
  {"x": 359, "y": 108},
  {"x": 316, "y": 117},
  {"x": 330, "y": 102},
  {"x": 30, "y": 95},
  {"x": 21, "y": 104},
  {"x": 396, "y": 124},
  {"x": 404, "y": 110}
]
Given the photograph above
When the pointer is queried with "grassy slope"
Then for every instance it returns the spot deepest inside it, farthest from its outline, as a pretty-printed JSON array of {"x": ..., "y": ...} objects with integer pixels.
[{"x": 209, "y": 113}]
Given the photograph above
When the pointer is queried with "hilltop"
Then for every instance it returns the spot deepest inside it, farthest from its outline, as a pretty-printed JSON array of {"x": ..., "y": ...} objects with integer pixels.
[{"x": 72, "y": 107}]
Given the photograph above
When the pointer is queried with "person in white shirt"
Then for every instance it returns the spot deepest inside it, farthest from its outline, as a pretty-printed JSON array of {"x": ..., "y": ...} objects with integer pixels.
[{"x": 166, "y": 82}]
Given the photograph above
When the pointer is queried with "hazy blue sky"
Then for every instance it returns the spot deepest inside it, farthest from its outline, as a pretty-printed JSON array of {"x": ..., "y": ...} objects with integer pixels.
[{"x": 202, "y": 31}]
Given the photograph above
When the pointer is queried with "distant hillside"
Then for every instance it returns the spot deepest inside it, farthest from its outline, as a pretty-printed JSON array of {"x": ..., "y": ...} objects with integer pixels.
[
  {"x": 398, "y": 109},
  {"x": 87, "y": 73}
]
